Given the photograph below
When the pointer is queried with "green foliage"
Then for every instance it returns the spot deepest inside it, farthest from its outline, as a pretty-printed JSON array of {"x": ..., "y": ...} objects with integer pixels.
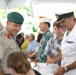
[
  {"x": 26, "y": 9},
  {"x": 75, "y": 13},
  {"x": 34, "y": 28},
  {"x": 29, "y": 23},
  {"x": 2, "y": 13}
]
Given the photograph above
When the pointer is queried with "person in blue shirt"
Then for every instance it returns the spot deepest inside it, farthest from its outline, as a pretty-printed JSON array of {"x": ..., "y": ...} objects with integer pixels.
[{"x": 32, "y": 45}]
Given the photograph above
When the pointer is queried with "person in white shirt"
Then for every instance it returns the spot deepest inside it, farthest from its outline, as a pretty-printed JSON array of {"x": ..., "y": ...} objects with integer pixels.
[{"x": 68, "y": 45}]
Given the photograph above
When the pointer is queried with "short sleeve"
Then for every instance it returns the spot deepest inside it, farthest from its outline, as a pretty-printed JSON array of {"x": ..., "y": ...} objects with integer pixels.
[{"x": 48, "y": 47}]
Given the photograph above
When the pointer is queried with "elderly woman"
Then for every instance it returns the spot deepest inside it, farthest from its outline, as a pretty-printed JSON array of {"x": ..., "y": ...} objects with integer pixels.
[{"x": 19, "y": 65}]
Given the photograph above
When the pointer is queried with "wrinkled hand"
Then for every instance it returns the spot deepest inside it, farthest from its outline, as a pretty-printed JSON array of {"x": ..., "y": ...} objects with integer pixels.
[{"x": 60, "y": 71}]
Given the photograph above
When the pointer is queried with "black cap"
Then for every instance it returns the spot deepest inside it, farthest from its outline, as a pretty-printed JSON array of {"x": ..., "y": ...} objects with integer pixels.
[{"x": 61, "y": 17}]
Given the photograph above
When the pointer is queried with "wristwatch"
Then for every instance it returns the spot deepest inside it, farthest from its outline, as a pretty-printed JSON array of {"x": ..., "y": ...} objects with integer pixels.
[{"x": 65, "y": 69}]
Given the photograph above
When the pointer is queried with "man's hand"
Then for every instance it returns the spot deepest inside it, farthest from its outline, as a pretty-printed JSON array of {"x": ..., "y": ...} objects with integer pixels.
[
  {"x": 60, "y": 71},
  {"x": 57, "y": 47},
  {"x": 50, "y": 60}
]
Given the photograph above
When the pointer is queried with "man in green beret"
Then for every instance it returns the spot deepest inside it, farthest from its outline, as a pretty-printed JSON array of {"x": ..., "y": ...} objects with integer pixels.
[{"x": 7, "y": 40}]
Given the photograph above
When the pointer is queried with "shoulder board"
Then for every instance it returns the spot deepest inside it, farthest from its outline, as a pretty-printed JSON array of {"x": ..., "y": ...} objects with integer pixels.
[{"x": 2, "y": 33}]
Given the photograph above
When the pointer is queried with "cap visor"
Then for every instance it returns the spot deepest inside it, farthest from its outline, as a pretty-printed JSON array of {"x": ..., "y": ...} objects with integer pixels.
[{"x": 60, "y": 21}]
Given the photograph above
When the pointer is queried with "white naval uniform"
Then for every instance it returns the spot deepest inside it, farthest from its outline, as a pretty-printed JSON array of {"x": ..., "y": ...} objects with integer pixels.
[
  {"x": 68, "y": 49},
  {"x": 7, "y": 46}
]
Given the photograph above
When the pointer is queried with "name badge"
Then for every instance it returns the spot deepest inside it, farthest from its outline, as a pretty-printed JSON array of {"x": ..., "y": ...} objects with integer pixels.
[{"x": 70, "y": 42}]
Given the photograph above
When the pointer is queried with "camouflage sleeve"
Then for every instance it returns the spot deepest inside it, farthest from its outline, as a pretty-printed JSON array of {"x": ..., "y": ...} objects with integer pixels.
[
  {"x": 1, "y": 56},
  {"x": 1, "y": 51}
]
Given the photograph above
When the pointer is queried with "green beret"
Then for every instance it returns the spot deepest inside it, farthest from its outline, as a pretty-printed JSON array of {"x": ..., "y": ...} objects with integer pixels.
[{"x": 15, "y": 17}]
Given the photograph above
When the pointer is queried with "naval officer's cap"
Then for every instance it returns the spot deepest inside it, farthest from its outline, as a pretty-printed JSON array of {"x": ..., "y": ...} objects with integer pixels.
[
  {"x": 62, "y": 16},
  {"x": 15, "y": 17}
]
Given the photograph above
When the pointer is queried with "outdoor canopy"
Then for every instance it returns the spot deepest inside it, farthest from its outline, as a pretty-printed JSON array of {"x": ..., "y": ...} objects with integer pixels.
[{"x": 4, "y": 4}]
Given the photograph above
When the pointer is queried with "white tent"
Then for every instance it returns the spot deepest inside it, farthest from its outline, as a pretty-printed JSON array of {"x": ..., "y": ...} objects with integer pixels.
[
  {"x": 4, "y": 4},
  {"x": 42, "y": 7}
]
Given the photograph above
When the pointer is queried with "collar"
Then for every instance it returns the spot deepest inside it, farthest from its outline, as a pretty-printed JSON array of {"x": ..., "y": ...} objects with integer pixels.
[
  {"x": 7, "y": 33},
  {"x": 46, "y": 31},
  {"x": 57, "y": 38},
  {"x": 32, "y": 41}
]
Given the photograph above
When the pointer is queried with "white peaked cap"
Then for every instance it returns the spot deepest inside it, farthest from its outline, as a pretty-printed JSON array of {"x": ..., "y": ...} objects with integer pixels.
[{"x": 44, "y": 19}]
